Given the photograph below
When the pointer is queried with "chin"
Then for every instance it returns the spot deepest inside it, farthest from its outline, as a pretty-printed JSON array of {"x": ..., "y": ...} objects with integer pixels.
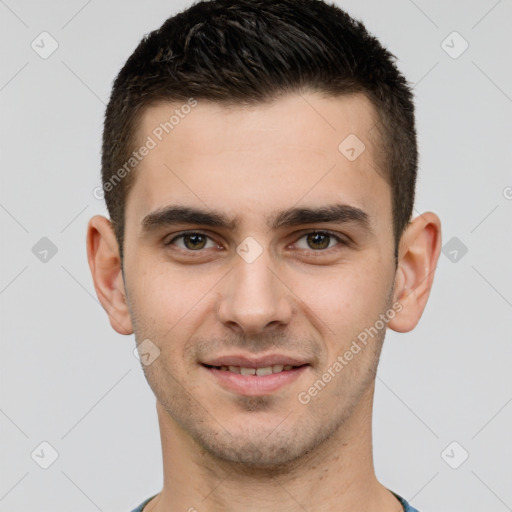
[
  {"x": 261, "y": 456},
  {"x": 261, "y": 448}
]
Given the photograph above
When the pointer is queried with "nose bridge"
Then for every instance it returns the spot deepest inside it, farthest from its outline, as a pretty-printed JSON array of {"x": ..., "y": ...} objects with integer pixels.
[{"x": 252, "y": 296}]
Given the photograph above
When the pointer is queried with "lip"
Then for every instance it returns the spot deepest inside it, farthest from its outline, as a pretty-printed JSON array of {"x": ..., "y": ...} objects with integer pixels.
[
  {"x": 254, "y": 362},
  {"x": 254, "y": 385}
]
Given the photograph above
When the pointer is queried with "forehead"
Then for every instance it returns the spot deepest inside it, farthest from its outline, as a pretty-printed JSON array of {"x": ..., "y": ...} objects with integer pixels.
[{"x": 303, "y": 149}]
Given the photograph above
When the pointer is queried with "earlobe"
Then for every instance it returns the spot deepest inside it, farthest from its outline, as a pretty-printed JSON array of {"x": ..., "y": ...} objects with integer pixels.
[
  {"x": 419, "y": 251},
  {"x": 105, "y": 265}
]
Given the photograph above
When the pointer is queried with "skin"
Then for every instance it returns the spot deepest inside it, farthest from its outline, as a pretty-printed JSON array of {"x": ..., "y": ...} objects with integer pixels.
[{"x": 223, "y": 451}]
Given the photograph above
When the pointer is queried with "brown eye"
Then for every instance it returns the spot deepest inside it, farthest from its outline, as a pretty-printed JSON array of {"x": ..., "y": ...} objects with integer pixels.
[
  {"x": 192, "y": 241},
  {"x": 318, "y": 240}
]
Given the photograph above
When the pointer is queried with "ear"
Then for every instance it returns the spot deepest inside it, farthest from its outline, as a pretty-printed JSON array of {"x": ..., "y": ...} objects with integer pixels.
[
  {"x": 419, "y": 249},
  {"x": 105, "y": 265}
]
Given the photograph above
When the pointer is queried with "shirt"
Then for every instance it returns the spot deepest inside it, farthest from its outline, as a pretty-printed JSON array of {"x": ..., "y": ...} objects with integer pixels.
[{"x": 407, "y": 507}]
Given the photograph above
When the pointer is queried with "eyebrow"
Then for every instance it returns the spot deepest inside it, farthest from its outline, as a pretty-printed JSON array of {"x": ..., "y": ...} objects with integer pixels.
[{"x": 177, "y": 214}]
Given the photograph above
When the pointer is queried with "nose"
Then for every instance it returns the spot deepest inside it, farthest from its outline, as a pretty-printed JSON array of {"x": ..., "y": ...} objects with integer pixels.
[{"x": 253, "y": 298}]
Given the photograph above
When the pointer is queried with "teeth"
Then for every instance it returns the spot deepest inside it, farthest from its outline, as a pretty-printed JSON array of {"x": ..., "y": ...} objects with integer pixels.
[
  {"x": 267, "y": 370},
  {"x": 264, "y": 371}
]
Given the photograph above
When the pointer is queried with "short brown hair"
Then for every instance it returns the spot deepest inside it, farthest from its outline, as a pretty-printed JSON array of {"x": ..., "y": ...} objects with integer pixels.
[{"x": 253, "y": 51}]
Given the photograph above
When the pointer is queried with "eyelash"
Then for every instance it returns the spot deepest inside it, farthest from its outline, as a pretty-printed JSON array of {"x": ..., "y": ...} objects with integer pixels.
[{"x": 341, "y": 241}]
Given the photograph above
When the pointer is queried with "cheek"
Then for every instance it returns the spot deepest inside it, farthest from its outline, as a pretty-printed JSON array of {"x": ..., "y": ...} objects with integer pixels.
[
  {"x": 343, "y": 300},
  {"x": 163, "y": 295},
  {"x": 168, "y": 303}
]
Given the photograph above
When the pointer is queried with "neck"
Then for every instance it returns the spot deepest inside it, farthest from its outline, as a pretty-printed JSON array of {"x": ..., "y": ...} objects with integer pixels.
[{"x": 337, "y": 476}]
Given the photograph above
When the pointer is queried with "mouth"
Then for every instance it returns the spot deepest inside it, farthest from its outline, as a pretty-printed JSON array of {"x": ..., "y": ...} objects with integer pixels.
[
  {"x": 259, "y": 371},
  {"x": 250, "y": 378}
]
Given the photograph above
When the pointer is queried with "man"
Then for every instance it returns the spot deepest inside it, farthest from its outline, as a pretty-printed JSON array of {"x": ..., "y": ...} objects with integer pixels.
[{"x": 259, "y": 166}]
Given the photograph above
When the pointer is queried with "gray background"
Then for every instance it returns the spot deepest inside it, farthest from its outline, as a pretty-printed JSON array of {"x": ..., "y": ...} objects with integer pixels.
[{"x": 68, "y": 379}]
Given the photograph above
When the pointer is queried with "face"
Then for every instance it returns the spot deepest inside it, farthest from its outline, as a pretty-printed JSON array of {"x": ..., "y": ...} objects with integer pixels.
[{"x": 256, "y": 253}]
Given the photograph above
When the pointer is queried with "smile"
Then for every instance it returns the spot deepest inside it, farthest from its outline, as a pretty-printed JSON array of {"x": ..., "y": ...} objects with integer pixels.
[
  {"x": 260, "y": 381},
  {"x": 266, "y": 370}
]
